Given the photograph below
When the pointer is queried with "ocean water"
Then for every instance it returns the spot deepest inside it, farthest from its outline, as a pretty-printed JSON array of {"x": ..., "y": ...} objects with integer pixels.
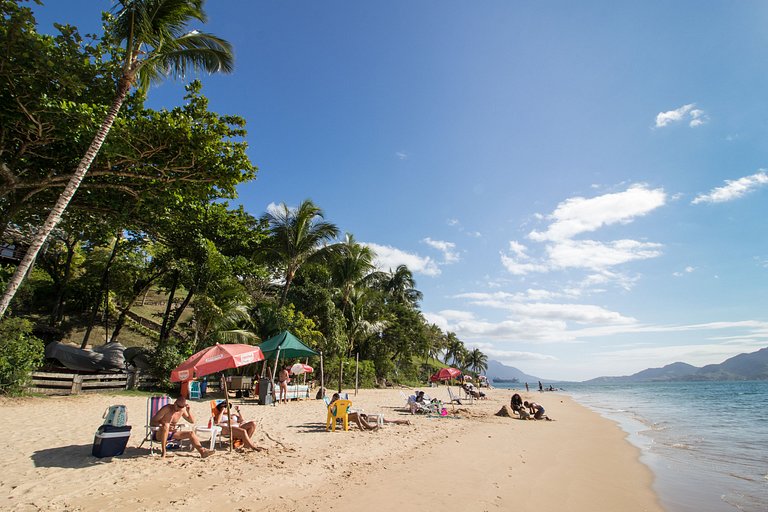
[{"x": 706, "y": 442}]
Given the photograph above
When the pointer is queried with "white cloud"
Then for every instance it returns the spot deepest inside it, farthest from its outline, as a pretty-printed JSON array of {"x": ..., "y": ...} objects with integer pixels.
[
  {"x": 595, "y": 255},
  {"x": 401, "y": 155},
  {"x": 447, "y": 248},
  {"x": 686, "y": 270},
  {"x": 697, "y": 116},
  {"x": 277, "y": 209},
  {"x": 518, "y": 306},
  {"x": 580, "y": 215},
  {"x": 388, "y": 257},
  {"x": 519, "y": 268},
  {"x": 733, "y": 189}
]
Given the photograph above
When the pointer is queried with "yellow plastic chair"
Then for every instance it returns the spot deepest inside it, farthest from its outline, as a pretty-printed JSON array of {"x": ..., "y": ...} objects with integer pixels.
[{"x": 338, "y": 410}]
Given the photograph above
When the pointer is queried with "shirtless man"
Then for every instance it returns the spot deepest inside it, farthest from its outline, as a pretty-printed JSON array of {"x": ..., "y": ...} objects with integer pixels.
[
  {"x": 284, "y": 377},
  {"x": 167, "y": 418}
]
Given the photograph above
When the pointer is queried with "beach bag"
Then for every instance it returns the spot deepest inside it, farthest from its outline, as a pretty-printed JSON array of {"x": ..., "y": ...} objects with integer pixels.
[{"x": 116, "y": 416}]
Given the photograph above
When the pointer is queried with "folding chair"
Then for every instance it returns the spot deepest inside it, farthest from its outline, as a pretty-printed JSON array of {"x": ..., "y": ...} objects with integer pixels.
[
  {"x": 154, "y": 404},
  {"x": 214, "y": 430},
  {"x": 194, "y": 390}
]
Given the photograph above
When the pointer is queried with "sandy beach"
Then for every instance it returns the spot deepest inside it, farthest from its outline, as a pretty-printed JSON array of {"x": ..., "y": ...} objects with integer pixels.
[{"x": 470, "y": 460}]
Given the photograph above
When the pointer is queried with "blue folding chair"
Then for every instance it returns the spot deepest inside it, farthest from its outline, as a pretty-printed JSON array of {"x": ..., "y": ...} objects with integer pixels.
[{"x": 194, "y": 390}]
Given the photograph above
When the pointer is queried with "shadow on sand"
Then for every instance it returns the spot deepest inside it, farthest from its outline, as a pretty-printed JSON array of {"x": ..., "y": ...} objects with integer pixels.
[{"x": 78, "y": 456}]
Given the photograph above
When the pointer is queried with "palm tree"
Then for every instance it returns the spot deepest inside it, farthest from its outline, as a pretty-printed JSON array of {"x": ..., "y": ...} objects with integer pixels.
[
  {"x": 401, "y": 286},
  {"x": 351, "y": 267},
  {"x": 453, "y": 347},
  {"x": 157, "y": 45},
  {"x": 296, "y": 237},
  {"x": 477, "y": 361}
]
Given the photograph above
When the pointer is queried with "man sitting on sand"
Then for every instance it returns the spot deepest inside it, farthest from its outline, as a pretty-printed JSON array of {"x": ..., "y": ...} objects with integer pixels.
[{"x": 167, "y": 418}]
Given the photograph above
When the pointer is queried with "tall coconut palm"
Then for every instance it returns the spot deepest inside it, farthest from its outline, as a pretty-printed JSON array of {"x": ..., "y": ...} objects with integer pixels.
[
  {"x": 296, "y": 236},
  {"x": 453, "y": 348},
  {"x": 401, "y": 286},
  {"x": 157, "y": 45},
  {"x": 477, "y": 361},
  {"x": 351, "y": 266}
]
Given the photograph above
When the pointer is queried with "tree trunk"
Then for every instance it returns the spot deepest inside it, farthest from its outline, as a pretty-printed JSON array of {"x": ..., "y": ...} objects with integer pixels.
[
  {"x": 58, "y": 311},
  {"x": 124, "y": 311},
  {"x": 178, "y": 312},
  {"x": 102, "y": 286},
  {"x": 341, "y": 371},
  {"x": 167, "y": 315},
  {"x": 54, "y": 217}
]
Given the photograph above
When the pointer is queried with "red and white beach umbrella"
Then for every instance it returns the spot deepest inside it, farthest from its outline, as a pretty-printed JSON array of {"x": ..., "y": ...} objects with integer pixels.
[
  {"x": 300, "y": 368},
  {"x": 216, "y": 359}
]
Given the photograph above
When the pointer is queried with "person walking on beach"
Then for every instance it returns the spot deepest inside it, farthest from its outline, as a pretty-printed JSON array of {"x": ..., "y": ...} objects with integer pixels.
[
  {"x": 526, "y": 388},
  {"x": 541, "y": 388},
  {"x": 167, "y": 419},
  {"x": 284, "y": 378}
]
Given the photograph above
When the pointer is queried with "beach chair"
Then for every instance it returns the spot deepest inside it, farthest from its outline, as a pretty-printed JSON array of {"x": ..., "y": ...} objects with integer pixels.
[
  {"x": 214, "y": 430},
  {"x": 339, "y": 410},
  {"x": 194, "y": 390},
  {"x": 154, "y": 404},
  {"x": 453, "y": 399}
]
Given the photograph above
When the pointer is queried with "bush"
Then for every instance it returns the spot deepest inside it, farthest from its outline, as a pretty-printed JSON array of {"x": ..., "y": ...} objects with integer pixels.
[
  {"x": 165, "y": 358},
  {"x": 367, "y": 374},
  {"x": 20, "y": 354}
]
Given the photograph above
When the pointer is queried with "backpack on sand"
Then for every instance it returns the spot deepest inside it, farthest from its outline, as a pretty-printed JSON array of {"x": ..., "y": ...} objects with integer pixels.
[{"x": 116, "y": 415}]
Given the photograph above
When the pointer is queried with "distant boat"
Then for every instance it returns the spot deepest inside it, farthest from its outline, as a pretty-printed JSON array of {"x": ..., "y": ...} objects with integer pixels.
[{"x": 511, "y": 381}]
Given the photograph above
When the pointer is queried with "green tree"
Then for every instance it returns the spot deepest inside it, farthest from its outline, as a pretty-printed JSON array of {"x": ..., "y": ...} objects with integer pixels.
[
  {"x": 477, "y": 361},
  {"x": 156, "y": 46},
  {"x": 401, "y": 286},
  {"x": 20, "y": 353},
  {"x": 296, "y": 237}
]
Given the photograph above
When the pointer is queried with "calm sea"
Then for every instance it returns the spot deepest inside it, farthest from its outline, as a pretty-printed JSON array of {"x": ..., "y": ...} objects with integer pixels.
[{"x": 706, "y": 442}]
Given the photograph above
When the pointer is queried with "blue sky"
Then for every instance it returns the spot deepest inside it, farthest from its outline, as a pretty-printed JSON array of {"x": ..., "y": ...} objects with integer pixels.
[{"x": 578, "y": 187}]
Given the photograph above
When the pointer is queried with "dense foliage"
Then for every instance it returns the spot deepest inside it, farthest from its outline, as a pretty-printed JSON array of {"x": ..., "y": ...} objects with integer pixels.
[
  {"x": 151, "y": 253},
  {"x": 20, "y": 353}
]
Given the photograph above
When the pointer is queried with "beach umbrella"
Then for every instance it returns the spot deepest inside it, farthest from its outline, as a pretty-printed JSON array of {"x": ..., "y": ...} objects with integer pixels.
[
  {"x": 217, "y": 359},
  {"x": 300, "y": 368},
  {"x": 445, "y": 374}
]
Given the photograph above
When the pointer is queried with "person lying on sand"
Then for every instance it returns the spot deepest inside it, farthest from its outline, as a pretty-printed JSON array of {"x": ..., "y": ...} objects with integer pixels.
[
  {"x": 167, "y": 419},
  {"x": 242, "y": 430},
  {"x": 365, "y": 421}
]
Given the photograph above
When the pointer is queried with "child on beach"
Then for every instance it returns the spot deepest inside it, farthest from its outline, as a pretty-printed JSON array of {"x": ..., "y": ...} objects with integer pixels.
[{"x": 537, "y": 410}]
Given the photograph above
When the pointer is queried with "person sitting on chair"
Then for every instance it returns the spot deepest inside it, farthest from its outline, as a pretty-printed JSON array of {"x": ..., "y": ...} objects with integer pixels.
[
  {"x": 363, "y": 421},
  {"x": 167, "y": 419},
  {"x": 241, "y": 430}
]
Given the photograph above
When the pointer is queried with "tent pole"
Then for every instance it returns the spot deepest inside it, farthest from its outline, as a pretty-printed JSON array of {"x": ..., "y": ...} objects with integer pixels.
[
  {"x": 322, "y": 377},
  {"x": 357, "y": 371},
  {"x": 274, "y": 371}
]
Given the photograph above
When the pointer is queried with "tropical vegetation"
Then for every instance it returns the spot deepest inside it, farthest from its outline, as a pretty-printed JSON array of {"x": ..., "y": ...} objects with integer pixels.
[{"x": 146, "y": 247}]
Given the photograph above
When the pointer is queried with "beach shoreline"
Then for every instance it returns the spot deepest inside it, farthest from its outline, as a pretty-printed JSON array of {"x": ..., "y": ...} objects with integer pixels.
[{"x": 469, "y": 460}]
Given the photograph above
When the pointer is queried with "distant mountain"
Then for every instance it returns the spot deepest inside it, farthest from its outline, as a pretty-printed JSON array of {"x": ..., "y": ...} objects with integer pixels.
[
  {"x": 497, "y": 370},
  {"x": 752, "y": 366}
]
